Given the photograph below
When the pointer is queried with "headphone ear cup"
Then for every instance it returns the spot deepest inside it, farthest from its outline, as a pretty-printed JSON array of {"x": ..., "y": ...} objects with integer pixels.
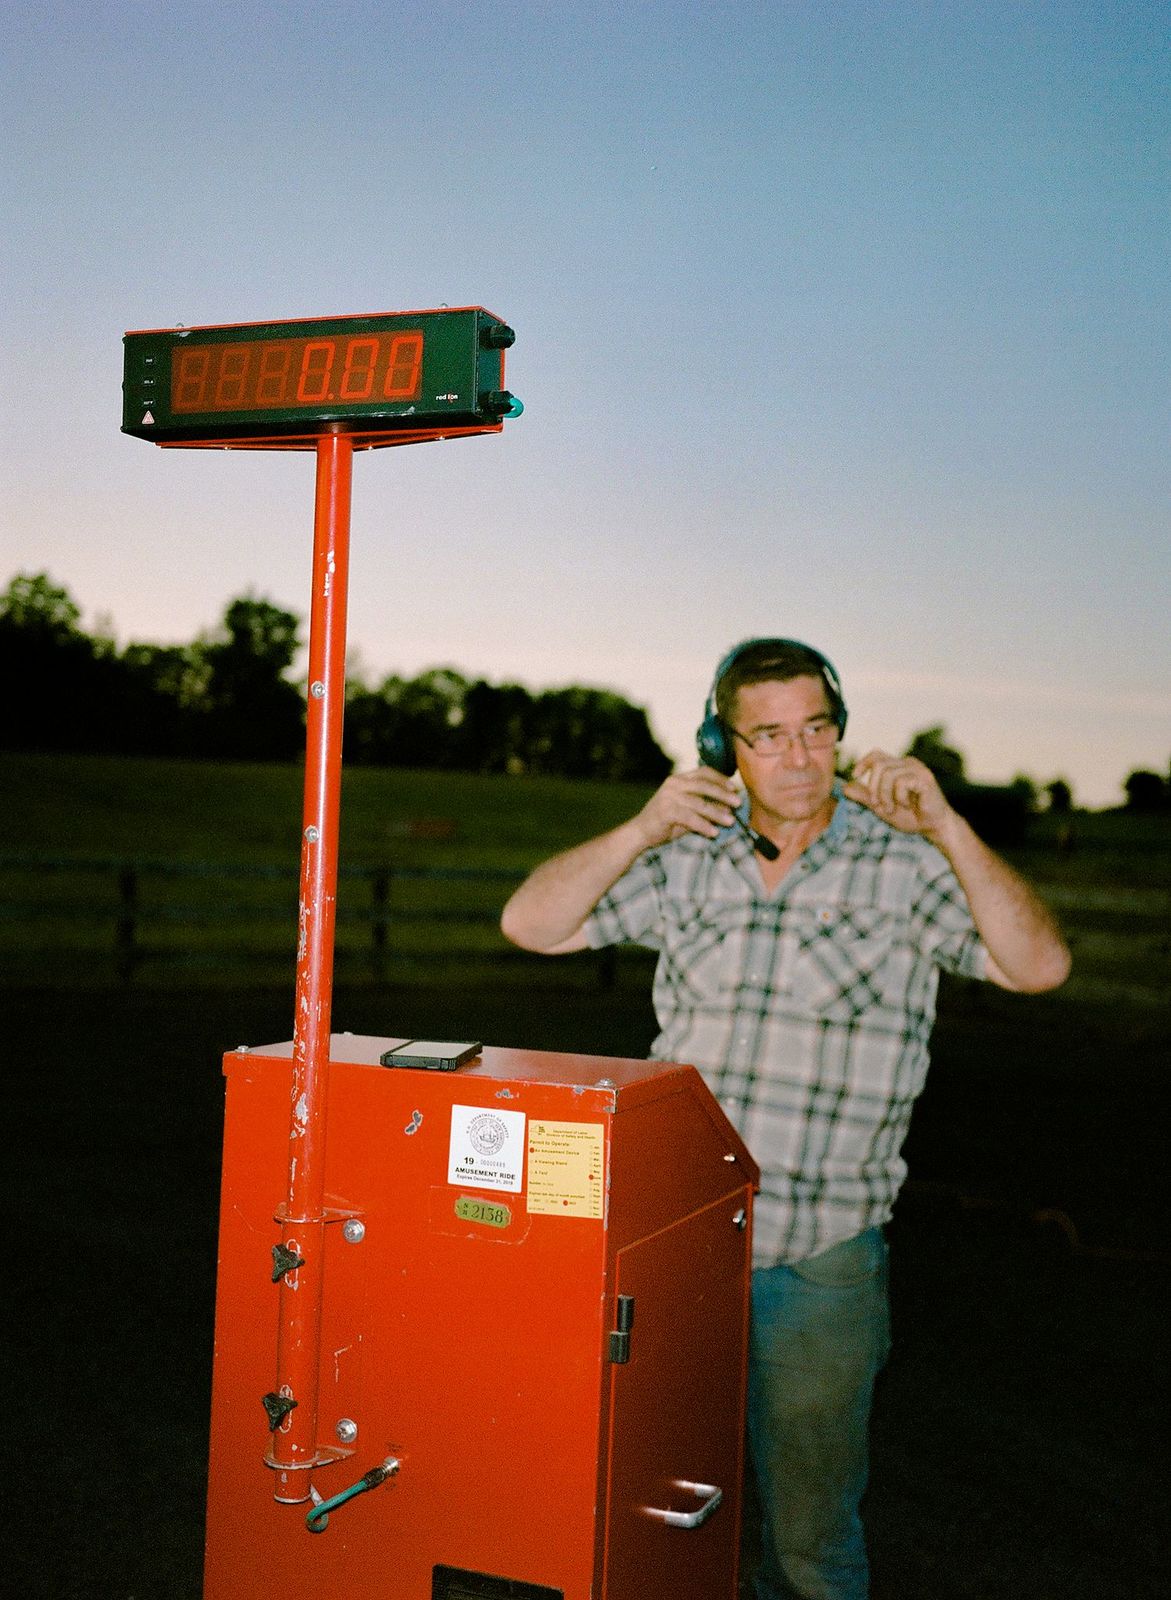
[{"x": 715, "y": 747}]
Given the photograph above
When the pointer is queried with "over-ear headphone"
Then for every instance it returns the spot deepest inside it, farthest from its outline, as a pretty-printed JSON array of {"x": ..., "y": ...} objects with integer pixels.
[{"x": 714, "y": 737}]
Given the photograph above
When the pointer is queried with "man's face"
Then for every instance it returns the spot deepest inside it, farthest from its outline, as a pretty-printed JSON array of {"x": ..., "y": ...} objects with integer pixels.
[{"x": 791, "y": 783}]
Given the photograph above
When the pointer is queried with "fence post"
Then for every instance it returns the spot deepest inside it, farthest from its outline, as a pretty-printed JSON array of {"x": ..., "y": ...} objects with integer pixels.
[
  {"x": 126, "y": 925},
  {"x": 379, "y": 901}
]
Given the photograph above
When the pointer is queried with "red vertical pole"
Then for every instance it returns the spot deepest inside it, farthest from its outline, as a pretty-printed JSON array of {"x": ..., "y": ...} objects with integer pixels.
[{"x": 294, "y": 1441}]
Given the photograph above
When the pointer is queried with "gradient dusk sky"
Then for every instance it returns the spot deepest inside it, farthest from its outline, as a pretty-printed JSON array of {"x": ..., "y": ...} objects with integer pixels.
[{"x": 843, "y": 321}]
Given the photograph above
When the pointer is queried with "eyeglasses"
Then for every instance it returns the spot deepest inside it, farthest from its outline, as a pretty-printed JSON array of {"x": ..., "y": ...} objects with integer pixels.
[{"x": 817, "y": 734}]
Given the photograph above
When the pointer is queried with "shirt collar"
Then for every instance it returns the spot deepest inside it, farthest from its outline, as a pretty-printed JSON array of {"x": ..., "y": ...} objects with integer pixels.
[{"x": 737, "y": 845}]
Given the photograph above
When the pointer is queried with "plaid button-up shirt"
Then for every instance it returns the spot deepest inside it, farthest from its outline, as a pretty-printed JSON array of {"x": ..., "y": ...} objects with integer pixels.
[{"x": 808, "y": 1011}]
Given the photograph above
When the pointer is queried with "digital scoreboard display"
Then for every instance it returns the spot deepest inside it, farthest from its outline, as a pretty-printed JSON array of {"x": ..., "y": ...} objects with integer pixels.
[{"x": 387, "y": 378}]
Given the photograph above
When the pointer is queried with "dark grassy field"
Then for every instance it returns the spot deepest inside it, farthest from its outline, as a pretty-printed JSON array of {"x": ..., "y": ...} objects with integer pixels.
[{"x": 1020, "y": 1435}]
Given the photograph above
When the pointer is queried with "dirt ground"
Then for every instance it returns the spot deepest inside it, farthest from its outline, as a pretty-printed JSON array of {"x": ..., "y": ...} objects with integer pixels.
[{"x": 1020, "y": 1440}]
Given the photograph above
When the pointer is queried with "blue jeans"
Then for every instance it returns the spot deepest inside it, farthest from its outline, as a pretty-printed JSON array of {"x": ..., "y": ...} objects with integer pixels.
[{"x": 820, "y": 1336}]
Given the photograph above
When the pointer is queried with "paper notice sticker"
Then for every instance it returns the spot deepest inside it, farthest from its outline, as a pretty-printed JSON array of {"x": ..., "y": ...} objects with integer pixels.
[
  {"x": 567, "y": 1168},
  {"x": 487, "y": 1149}
]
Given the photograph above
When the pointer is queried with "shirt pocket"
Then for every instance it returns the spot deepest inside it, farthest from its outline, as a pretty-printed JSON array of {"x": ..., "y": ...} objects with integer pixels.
[
  {"x": 840, "y": 959},
  {"x": 704, "y": 953}
]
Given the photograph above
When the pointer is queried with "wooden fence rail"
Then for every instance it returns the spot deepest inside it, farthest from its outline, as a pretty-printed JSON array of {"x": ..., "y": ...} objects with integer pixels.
[{"x": 426, "y": 907}]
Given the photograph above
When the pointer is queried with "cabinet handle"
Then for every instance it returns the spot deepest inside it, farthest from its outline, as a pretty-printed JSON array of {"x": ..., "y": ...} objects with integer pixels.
[{"x": 689, "y": 1519}]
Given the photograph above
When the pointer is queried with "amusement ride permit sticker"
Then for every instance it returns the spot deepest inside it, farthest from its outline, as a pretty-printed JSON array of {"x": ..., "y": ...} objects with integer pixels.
[
  {"x": 487, "y": 1148},
  {"x": 566, "y": 1168}
]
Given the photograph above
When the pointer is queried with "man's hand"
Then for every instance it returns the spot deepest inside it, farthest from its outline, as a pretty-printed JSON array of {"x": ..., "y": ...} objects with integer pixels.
[
  {"x": 699, "y": 801},
  {"x": 548, "y": 911},
  {"x": 1025, "y": 947},
  {"x": 902, "y": 791}
]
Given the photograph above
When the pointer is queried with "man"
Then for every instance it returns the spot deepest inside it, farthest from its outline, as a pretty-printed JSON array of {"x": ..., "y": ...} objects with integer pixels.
[{"x": 801, "y": 926}]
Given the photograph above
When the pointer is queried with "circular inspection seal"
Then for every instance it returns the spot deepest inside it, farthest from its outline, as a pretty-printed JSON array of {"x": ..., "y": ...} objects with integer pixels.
[{"x": 487, "y": 1134}]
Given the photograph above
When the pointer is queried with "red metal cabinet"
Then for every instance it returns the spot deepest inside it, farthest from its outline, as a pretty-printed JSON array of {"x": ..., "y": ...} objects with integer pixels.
[{"x": 474, "y": 1331}]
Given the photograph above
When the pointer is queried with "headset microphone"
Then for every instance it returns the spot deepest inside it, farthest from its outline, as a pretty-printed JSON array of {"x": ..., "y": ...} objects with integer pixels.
[{"x": 763, "y": 847}]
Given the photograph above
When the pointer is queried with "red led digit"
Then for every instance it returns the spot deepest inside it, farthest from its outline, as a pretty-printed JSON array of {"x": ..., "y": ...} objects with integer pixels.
[
  {"x": 313, "y": 384},
  {"x": 358, "y": 377},
  {"x": 189, "y": 379},
  {"x": 229, "y": 390},
  {"x": 350, "y": 366},
  {"x": 404, "y": 368},
  {"x": 275, "y": 360}
]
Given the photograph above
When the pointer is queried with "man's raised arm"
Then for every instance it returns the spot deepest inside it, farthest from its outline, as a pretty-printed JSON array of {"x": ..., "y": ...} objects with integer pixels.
[
  {"x": 548, "y": 912},
  {"x": 1025, "y": 946}
]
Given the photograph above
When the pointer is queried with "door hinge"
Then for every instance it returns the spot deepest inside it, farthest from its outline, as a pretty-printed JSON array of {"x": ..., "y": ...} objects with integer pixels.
[{"x": 620, "y": 1335}]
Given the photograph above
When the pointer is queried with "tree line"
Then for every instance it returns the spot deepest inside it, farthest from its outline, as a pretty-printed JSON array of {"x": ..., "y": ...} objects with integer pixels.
[
  {"x": 228, "y": 695},
  {"x": 1146, "y": 791}
]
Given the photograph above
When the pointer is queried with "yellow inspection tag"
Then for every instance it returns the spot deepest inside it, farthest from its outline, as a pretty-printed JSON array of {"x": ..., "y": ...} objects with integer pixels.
[{"x": 567, "y": 1168}]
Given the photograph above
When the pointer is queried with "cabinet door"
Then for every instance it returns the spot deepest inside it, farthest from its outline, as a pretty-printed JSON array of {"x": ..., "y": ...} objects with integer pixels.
[{"x": 676, "y": 1443}]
